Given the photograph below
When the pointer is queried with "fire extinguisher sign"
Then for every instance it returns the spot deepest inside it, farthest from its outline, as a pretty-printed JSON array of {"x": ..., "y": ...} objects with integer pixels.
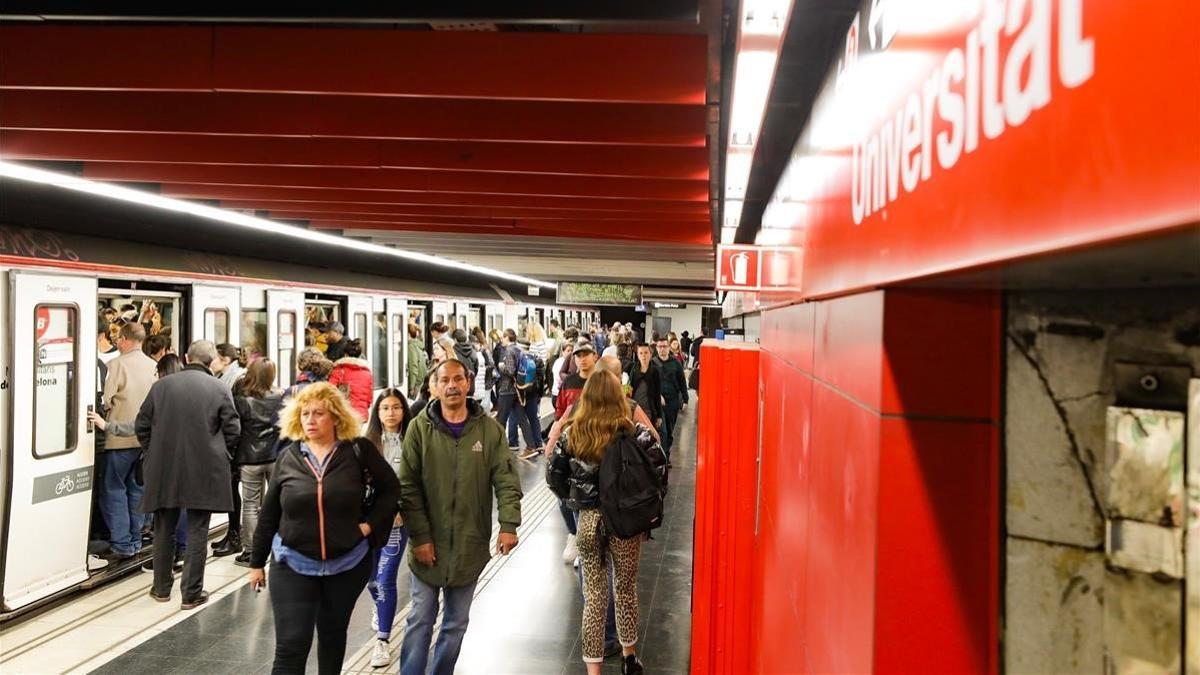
[{"x": 739, "y": 268}]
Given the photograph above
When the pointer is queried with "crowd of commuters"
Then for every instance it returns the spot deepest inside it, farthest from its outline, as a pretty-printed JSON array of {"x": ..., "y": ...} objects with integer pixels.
[{"x": 330, "y": 483}]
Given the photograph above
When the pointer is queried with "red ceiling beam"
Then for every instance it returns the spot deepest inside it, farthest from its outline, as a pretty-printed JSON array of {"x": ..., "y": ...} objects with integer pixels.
[
  {"x": 379, "y": 62},
  {"x": 423, "y": 210},
  {"x": 411, "y": 180},
  {"x": 565, "y": 224},
  {"x": 522, "y": 212},
  {"x": 354, "y": 117},
  {"x": 689, "y": 236},
  {"x": 337, "y": 195},
  {"x": 593, "y": 160}
]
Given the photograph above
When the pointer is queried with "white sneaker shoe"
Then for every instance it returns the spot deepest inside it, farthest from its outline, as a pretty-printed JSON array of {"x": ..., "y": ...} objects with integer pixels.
[
  {"x": 374, "y": 619},
  {"x": 381, "y": 656},
  {"x": 95, "y": 562},
  {"x": 570, "y": 551}
]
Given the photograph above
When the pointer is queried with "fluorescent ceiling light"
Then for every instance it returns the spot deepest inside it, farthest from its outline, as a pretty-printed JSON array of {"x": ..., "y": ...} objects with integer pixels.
[
  {"x": 21, "y": 172},
  {"x": 761, "y": 24}
]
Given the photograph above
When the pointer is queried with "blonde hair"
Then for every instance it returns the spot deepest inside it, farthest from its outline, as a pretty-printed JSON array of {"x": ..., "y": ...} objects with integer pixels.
[
  {"x": 535, "y": 333},
  {"x": 348, "y": 425},
  {"x": 600, "y": 415}
]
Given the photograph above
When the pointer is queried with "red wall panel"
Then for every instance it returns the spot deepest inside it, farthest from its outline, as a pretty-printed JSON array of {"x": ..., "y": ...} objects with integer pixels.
[{"x": 849, "y": 336}]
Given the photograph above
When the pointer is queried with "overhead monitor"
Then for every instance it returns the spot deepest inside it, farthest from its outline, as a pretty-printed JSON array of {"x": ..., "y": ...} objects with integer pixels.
[{"x": 589, "y": 293}]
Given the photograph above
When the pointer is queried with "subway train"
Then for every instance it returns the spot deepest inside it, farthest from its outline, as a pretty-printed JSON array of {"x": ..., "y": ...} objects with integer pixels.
[{"x": 52, "y": 288}]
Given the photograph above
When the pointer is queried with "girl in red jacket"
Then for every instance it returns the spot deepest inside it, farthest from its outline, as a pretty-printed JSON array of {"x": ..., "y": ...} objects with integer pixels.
[{"x": 352, "y": 376}]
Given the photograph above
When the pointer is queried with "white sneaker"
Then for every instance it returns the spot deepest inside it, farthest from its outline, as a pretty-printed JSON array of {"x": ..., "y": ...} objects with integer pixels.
[
  {"x": 95, "y": 562},
  {"x": 578, "y": 562},
  {"x": 381, "y": 656},
  {"x": 374, "y": 619},
  {"x": 570, "y": 551}
]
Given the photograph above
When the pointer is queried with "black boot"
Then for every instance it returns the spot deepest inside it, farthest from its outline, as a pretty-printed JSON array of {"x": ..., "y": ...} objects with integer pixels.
[
  {"x": 630, "y": 665},
  {"x": 232, "y": 543}
]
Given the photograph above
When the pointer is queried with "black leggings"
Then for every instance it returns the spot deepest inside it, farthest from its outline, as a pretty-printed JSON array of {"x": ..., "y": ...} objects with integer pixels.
[{"x": 300, "y": 602}]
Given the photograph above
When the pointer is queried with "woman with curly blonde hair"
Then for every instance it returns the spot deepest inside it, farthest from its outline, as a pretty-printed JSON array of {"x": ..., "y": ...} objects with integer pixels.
[{"x": 318, "y": 527}]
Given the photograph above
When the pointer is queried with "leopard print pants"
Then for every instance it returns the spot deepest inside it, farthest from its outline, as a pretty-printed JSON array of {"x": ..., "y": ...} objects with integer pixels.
[{"x": 624, "y": 555}]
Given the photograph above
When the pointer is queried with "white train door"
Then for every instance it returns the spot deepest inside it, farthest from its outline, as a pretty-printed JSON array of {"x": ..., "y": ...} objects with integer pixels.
[
  {"x": 397, "y": 339},
  {"x": 285, "y": 333},
  {"x": 216, "y": 314},
  {"x": 359, "y": 324},
  {"x": 51, "y": 454}
]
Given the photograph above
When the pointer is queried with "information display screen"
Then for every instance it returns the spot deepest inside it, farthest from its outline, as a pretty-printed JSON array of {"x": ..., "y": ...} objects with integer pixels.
[{"x": 585, "y": 293}]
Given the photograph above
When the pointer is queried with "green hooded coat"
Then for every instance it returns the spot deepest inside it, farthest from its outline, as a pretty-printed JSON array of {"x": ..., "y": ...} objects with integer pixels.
[{"x": 446, "y": 487}]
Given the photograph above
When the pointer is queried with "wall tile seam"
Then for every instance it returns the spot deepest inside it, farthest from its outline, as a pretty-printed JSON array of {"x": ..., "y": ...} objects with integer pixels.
[{"x": 780, "y": 355}]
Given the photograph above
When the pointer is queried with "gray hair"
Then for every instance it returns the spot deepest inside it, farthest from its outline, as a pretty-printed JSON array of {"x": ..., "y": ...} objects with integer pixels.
[{"x": 203, "y": 352}]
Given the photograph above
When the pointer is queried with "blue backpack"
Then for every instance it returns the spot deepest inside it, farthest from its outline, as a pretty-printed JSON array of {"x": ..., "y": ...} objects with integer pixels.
[{"x": 527, "y": 370}]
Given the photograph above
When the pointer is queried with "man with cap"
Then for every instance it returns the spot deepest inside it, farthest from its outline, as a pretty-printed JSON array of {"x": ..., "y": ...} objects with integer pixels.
[
  {"x": 572, "y": 387},
  {"x": 335, "y": 338}
]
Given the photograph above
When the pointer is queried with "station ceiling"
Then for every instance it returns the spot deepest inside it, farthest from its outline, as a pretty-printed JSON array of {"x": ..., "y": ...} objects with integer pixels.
[{"x": 557, "y": 150}]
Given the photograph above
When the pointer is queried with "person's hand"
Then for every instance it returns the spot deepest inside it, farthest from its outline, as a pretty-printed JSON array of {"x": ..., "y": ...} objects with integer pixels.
[
  {"x": 683, "y": 407},
  {"x": 258, "y": 578},
  {"x": 398, "y": 521},
  {"x": 365, "y": 528},
  {"x": 95, "y": 418},
  {"x": 425, "y": 554},
  {"x": 506, "y": 542}
]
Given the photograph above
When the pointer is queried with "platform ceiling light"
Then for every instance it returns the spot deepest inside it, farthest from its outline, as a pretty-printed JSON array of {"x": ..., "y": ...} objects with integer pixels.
[
  {"x": 21, "y": 172},
  {"x": 760, "y": 32}
]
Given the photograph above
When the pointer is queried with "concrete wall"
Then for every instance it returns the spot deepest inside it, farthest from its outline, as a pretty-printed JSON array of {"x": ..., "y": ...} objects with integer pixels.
[
  {"x": 685, "y": 318},
  {"x": 1065, "y": 610}
]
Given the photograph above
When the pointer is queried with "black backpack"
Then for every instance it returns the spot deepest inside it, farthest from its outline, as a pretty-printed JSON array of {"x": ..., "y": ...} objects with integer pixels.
[{"x": 631, "y": 488}]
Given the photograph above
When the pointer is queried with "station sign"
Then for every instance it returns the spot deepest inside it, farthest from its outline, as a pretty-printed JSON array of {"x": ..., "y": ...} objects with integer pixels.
[
  {"x": 588, "y": 293},
  {"x": 954, "y": 135}
]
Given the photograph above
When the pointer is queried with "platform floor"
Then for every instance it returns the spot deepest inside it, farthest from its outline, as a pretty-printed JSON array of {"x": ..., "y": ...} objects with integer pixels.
[{"x": 525, "y": 618}]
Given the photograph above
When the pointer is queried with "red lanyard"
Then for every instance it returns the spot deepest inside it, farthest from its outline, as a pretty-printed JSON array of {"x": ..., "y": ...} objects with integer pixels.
[{"x": 320, "y": 476}]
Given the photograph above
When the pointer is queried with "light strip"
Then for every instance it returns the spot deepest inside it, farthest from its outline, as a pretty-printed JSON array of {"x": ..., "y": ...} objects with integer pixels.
[
  {"x": 761, "y": 26},
  {"x": 21, "y": 172}
]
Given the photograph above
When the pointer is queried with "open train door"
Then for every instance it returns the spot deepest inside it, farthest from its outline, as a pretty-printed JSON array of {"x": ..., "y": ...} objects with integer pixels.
[
  {"x": 51, "y": 449},
  {"x": 285, "y": 333}
]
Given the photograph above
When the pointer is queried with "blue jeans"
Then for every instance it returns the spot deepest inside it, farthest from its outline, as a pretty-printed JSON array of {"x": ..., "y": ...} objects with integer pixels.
[
  {"x": 418, "y": 632},
  {"x": 508, "y": 409},
  {"x": 119, "y": 501},
  {"x": 382, "y": 586},
  {"x": 533, "y": 435}
]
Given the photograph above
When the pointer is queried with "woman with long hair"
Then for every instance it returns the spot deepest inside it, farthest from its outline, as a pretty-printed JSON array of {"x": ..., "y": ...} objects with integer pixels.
[
  {"x": 389, "y": 422},
  {"x": 258, "y": 403},
  {"x": 318, "y": 529},
  {"x": 601, "y": 416}
]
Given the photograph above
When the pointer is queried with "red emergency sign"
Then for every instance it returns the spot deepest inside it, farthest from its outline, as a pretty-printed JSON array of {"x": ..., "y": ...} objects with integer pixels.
[{"x": 739, "y": 268}]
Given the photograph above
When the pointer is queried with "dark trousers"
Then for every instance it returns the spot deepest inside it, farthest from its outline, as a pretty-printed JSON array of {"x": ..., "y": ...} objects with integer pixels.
[
  {"x": 235, "y": 516},
  {"x": 192, "y": 580},
  {"x": 300, "y": 602},
  {"x": 670, "y": 417},
  {"x": 530, "y": 408},
  {"x": 508, "y": 405}
]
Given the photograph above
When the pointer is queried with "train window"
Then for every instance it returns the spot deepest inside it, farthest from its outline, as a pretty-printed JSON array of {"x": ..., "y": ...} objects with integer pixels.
[
  {"x": 439, "y": 318},
  {"x": 379, "y": 351},
  {"x": 399, "y": 330},
  {"x": 360, "y": 330},
  {"x": 216, "y": 325},
  {"x": 157, "y": 313},
  {"x": 254, "y": 333},
  {"x": 55, "y": 412},
  {"x": 287, "y": 348}
]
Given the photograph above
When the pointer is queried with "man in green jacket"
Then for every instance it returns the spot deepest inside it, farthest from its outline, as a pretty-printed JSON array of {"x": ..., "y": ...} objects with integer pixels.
[{"x": 454, "y": 458}]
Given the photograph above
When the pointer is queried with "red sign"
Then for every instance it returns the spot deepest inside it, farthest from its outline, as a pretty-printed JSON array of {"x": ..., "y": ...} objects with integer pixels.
[
  {"x": 42, "y": 319},
  {"x": 952, "y": 135},
  {"x": 739, "y": 268}
]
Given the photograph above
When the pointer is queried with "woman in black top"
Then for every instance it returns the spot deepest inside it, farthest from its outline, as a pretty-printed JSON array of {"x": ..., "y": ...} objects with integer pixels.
[
  {"x": 645, "y": 380},
  {"x": 317, "y": 528},
  {"x": 258, "y": 403}
]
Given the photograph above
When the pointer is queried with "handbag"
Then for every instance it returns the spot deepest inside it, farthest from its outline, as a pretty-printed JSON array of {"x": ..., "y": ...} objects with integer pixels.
[{"x": 558, "y": 472}]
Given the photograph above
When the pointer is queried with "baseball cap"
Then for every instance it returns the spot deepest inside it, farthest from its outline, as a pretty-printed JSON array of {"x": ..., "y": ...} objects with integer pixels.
[{"x": 582, "y": 345}]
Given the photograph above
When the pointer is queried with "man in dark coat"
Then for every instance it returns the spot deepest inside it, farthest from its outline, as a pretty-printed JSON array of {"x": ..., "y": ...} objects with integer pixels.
[{"x": 190, "y": 430}]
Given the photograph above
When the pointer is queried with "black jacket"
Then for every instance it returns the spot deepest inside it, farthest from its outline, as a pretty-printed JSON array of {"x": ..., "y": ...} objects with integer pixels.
[
  {"x": 584, "y": 481},
  {"x": 189, "y": 430},
  {"x": 674, "y": 384},
  {"x": 291, "y": 507},
  {"x": 653, "y": 377},
  {"x": 259, "y": 431},
  {"x": 336, "y": 350}
]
